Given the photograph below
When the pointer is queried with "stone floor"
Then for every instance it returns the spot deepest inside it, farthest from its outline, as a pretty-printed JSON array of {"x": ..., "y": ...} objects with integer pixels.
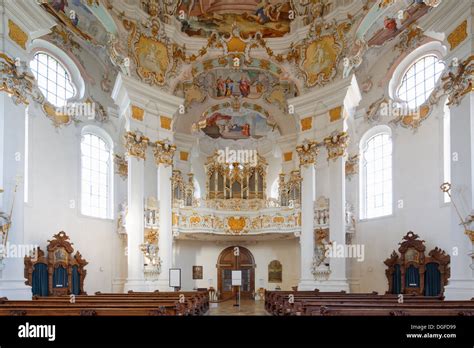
[{"x": 247, "y": 307}]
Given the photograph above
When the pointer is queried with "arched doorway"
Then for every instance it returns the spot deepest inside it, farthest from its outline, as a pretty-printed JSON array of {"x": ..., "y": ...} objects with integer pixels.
[{"x": 236, "y": 258}]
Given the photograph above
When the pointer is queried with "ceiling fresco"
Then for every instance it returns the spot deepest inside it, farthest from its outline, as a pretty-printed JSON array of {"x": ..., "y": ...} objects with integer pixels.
[
  {"x": 79, "y": 18},
  {"x": 271, "y": 18},
  {"x": 244, "y": 124},
  {"x": 220, "y": 54}
]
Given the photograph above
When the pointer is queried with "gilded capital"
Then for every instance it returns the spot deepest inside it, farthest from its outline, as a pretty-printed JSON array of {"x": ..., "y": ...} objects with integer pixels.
[
  {"x": 336, "y": 144},
  {"x": 164, "y": 152},
  {"x": 136, "y": 144},
  {"x": 308, "y": 151}
]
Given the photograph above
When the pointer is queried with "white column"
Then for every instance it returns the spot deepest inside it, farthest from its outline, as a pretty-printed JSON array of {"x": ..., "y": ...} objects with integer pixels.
[
  {"x": 135, "y": 223},
  {"x": 461, "y": 247},
  {"x": 165, "y": 242},
  {"x": 12, "y": 281},
  {"x": 307, "y": 281},
  {"x": 461, "y": 282},
  {"x": 33, "y": 22},
  {"x": 337, "y": 222},
  {"x": 143, "y": 106}
]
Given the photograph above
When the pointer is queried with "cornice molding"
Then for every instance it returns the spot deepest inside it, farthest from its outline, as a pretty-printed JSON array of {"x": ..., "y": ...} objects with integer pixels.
[
  {"x": 30, "y": 17},
  {"x": 128, "y": 90},
  {"x": 321, "y": 100}
]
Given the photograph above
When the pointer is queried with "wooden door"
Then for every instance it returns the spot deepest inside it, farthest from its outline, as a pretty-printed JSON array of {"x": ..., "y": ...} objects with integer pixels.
[{"x": 230, "y": 260}]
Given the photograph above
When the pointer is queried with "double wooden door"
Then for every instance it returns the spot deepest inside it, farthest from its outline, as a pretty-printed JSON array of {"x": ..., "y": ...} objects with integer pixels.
[{"x": 232, "y": 259}]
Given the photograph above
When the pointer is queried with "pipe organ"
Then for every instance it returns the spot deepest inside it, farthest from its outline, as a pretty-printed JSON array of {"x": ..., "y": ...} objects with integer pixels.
[
  {"x": 183, "y": 193},
  {"x": 235, "y": 180},
  {"x": 290, "y": 192}
]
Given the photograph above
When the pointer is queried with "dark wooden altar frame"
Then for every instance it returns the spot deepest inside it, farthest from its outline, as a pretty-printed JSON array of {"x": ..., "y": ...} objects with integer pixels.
[
  {"x": 436, "y": 255},
  {"x": 59, "y": 241}
]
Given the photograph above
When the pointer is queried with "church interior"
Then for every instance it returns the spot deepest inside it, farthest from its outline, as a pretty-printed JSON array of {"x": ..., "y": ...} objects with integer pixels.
[{"x": 237, "y": 157}]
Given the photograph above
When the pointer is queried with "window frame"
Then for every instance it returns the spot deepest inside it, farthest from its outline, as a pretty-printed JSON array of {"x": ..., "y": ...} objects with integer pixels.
[
  {"x": 67, "y": 73},
  {"x": 104, "y": 136},
  {"x": 410, "y": 66},
  {"x": 433, "y": 48},
  {"x": 370, "y": 134},
  {"x": 68, "y": 62}
]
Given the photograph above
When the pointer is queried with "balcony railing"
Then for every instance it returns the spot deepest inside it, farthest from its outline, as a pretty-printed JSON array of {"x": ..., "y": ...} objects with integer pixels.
[
  {"x": 241, "y": 217},
  {"x": 207, "y": 219}
]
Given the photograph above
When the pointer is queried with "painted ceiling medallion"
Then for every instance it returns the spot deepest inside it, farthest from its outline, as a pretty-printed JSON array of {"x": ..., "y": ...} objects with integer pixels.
[
  {"x": 322, "y": 52},
  {"x": 151, "y": 52}
]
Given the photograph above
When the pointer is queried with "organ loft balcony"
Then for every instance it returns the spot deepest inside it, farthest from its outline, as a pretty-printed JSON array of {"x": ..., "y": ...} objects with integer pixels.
[{"x": 235, "y": 206}]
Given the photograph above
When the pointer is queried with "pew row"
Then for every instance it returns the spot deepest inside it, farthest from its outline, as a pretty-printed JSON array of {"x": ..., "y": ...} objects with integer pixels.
[
  {"x": 136, "y": 304},
  {"x": 313, "y": 303}
]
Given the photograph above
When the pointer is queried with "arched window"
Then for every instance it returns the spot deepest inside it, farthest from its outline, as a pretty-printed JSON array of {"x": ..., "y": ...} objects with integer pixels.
[
  {"x": 419, "y": 80},
  {"x": 376, "y": 174},
  {"x": 96, "y": 174},
  {"x": 53, "y": 79}
]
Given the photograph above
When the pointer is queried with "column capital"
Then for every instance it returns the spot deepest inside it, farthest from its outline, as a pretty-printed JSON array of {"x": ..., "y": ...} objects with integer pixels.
[
  {"x": 336, "y": 144},
  {"x": 136, "y": 144},
  {"x": 308, "y": 152},
  {"x": 164, "y": 151}
]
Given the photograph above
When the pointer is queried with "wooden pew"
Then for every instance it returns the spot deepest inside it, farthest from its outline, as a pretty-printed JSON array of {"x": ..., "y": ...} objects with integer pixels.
[
  {"x": 130, "y": 304},
  {"x": 341, "y": 303},
  {"x": 277, "y": 303},
  {"x": 389, "y": 310}
]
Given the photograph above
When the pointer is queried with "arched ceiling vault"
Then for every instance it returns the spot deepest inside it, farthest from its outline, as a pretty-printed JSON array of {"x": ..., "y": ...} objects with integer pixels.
[{"x": 243, "y": 52}]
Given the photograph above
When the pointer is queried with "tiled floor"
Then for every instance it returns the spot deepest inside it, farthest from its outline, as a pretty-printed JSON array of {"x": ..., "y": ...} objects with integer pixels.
[{"x": 247, "y": 307}]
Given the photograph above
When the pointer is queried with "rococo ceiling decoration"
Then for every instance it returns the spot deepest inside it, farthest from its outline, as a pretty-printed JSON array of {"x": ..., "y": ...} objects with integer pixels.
[
  {"x": 151, "y": 52},
  {"x": 322, "y": 51}
]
